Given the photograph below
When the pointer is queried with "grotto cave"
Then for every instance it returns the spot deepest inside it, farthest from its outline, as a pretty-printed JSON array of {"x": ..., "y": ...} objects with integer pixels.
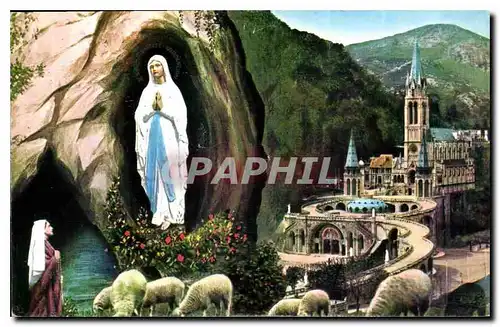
[
  {"x": 87, "y": 266},
  {"x": 131, "y": 79},
  {"x": 227, "y": 95}
]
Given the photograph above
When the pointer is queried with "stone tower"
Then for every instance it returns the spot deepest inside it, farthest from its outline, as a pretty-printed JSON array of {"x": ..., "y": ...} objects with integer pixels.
[
  {"x": 352, "y": 172},
  {"x": 423, "y": 176},
  {"x": 416, "y": 111}
]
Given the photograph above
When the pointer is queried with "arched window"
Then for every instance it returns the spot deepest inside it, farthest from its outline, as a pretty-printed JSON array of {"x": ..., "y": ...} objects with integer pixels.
[
  {"x": 354, "y": 187},
  {"x": 419, "y": 191},
  {"x": 291, "y": 240},
  {"x": 361, "y": 243},
  {"x": 348, "y": 187},
  {"x": 427, "y": 189},
  {"x": 410, "y": 113},
  {"x": 302, "y": 240},
  {"x": 424, "y": 113},
  {"x": 415, "y": 112}
]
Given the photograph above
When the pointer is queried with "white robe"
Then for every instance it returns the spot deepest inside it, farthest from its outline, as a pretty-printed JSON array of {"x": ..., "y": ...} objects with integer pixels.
[{"x": 177, "y": 150}]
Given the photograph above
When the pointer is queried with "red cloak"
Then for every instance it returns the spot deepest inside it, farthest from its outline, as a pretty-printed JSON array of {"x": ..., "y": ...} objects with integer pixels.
[{"x": 46, "y": 294}]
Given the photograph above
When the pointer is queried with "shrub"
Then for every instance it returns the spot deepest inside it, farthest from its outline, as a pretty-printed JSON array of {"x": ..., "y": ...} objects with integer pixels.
[
  {"x": 257, "y": 278},
  {"x": 70, "y": 309},
  {"x": 293, "y": 275},
  {"x": 328, "y": 277},
  {"x": 21, "y": 75},
  {"x": 138, "y": 244}
]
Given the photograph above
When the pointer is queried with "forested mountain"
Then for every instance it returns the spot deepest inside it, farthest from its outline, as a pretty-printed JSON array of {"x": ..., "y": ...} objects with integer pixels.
[{"x": 455, "y": 61}]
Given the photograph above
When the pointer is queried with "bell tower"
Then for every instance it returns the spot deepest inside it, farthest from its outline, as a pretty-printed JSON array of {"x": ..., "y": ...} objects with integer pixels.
[
  {"x": 416, "y": 111},
  {"x": 352, "y": 172},
  {"x": 423, "y": 175}
]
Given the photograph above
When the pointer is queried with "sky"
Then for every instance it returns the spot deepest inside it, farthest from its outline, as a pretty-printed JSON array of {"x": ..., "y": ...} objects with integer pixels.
[{"x": 348, "y": 27}]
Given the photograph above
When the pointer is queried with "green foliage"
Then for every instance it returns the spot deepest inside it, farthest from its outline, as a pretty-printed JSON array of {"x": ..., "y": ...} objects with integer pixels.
[
  {"x": 338, "y": 277},
  {"x": 212, "y": 21},
  {"x": 455, "y": 60},
  {"x": 321, "y": 91},
  {"x": 70, "y": 309},
  {"x": 139, "y": 244},
  {"x": 330, "y": 278},
  {"x": 19, "y": 24},
  {"x": 257, "y": 279},
  {"x": 293, "y": 275},
  {"x": 21, "y": 75}
]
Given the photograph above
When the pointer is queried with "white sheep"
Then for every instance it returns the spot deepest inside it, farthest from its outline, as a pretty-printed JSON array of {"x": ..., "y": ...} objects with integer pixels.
[
  {"x": 409, "y": 290},
  {"x": 127, "y": 293},
  {"x": 169, "y": 290},
  {"x": 314, "y": 301},
  {"x": 285, "y": 307},
  {"x": 102, "y": 300},
  {"x": 214, "y": 290}
]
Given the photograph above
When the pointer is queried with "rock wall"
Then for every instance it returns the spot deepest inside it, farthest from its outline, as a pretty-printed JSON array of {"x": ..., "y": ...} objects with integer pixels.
[{"x": 82, "y": 108}]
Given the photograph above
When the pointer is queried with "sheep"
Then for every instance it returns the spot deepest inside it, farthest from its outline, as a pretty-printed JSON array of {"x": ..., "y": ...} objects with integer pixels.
[
  {"x": 127, "y": 293},
  {"x": 409, "y": 290},
  {"x": 102, "y": 300},
  {"x": 214, "y": 289},
  {"x": 314, "y": 301},
  {"x": 169, "y": 290},
  {"x": 285, "y": 307}
]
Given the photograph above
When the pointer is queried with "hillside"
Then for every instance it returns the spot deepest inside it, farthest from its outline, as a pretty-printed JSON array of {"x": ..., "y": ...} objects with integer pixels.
[
  {"x": 456, "y": 63},
  {"x": 314, "y": 93}
]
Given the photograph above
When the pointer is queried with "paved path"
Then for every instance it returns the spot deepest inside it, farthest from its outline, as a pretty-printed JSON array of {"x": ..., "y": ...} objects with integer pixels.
[
  {"x": 459, "y": 266},
  {"x": 422, "y": 247}
]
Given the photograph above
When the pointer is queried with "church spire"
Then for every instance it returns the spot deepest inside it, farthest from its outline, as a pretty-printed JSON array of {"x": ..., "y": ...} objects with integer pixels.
[
  {"x": 423, "y": 162},
  {"x": 352, "y": 157},
  {"x": 416, "y": 66}
]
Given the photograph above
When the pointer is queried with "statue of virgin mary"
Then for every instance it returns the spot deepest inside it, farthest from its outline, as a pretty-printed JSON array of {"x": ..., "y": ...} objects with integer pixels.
[{"x": 162, "y": 145}]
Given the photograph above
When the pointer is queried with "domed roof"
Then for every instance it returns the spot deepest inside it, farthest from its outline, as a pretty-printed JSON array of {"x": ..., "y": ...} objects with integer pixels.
[
  {"x": 365, "y": 205},
  {"x": 361, "y": 163}
]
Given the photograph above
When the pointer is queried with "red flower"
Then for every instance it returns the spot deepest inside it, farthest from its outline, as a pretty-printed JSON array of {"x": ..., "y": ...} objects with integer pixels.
[
  {"x": 210, "y": 217},
  {"x": 236, "y": 236},
  {"x": 180, "y": 258},
  {"x": 212, "y": 259},
  {"x": 127, "y": 233},
  {"x": 229, "y": 215},
  {"x": 228, "y": 239},
  {"x": 232, "y": 250},
  {"x": 168, "y": 240},
  {"x": 181, "y": 237},
  {"x": 142, "y": 246},
  {"x": 238, "y": 228},
  {"x": 203, "y": 260},
  {"x": 244, "y": 237}
]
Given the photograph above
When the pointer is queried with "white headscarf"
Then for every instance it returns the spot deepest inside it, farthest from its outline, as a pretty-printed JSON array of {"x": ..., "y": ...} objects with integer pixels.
[
  {"x": 36, "y": 255},
  {"x": 166, "y": 71},
  {"x": 171, "y": 95}
]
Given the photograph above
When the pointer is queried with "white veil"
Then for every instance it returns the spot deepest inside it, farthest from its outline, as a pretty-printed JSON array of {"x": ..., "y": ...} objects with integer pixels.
[
  {"x": 173, "y": 101},
  {"x": 36, "y": 255},
  {"x": 174, "y": 95}
]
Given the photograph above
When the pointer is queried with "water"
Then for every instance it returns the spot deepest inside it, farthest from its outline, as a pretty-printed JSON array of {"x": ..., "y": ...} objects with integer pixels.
[{"x": 86, "y": 266}]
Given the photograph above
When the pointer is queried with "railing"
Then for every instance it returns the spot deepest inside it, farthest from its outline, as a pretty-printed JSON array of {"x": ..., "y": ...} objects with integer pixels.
[{"x": 385, "y": 219}]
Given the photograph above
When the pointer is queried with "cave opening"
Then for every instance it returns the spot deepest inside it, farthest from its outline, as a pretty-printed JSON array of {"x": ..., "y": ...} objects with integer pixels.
[
  {"x": 86, "y": 264},
  {"x": 131, "y": 79}
]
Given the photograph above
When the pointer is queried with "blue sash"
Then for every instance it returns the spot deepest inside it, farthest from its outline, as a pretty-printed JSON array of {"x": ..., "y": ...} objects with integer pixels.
[{"x": 156, "y": 157}]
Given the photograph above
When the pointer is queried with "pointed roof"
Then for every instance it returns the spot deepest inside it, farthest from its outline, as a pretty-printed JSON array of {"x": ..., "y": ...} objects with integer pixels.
[
  {"x": 423, "y": 162},
  {"x": 352, "y": 157},
  {"x": 416, "y": 66}
]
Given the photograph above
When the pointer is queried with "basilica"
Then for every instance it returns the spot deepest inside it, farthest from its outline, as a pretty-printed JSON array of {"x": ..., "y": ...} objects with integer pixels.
[
  {"x": 436, "y": 161},
  {"x": 398, "y": 204}
]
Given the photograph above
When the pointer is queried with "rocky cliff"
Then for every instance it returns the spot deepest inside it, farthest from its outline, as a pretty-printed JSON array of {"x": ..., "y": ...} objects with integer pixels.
[{"x": 82, "y": 109}]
